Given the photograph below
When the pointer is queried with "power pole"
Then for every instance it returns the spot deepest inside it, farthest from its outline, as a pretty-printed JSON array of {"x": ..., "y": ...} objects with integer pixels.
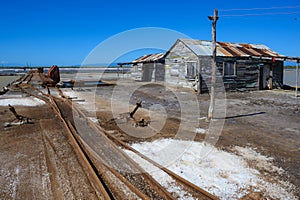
[
  {"x": 214, "y": 20},
  {"x": 296, "y": 89}
]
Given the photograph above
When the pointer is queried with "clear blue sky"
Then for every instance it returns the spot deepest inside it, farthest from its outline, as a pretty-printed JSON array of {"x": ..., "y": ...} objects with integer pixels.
[{"x": 46, "y": 32}]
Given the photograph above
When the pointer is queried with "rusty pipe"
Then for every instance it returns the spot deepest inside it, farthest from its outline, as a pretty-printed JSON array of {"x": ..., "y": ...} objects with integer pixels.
[
  {"x": 12, "y": 109},
  {"x": 138, "y": 104}
]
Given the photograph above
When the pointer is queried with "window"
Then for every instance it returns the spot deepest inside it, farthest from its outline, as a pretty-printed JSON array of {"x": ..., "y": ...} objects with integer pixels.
[
  {"x": 229, "y": 69},
  {"x": 191, "y": 70}
]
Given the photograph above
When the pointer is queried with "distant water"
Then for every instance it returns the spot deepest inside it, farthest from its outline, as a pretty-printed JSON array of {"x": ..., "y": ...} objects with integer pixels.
[
  {"x": 289, "y": 77},
  {"x": 5, "y": 80}
]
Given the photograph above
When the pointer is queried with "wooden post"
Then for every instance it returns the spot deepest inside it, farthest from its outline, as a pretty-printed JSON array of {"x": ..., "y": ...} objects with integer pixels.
[
  {"x": 271, "y": 77},
  {"x": 198, "y": 77},
  {"x": 297, "y": 70},
  {"x": 234, "y": 68},
  {"x": 154, "y": 66},
  {"x": 214, "y": 64}
]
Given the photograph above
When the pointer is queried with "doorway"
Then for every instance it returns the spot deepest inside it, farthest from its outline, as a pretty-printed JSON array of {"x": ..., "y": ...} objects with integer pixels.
[{"x": 264, "y": 74}]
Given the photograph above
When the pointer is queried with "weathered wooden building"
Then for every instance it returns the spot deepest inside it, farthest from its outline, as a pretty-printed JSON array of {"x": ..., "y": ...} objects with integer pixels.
[
  {"x": 150, "y": 67},
  {"x": 251, "y": 66}
]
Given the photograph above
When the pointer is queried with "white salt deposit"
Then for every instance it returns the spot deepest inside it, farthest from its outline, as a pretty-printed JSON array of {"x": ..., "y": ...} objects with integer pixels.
[
  {"x": 261, "y": 162},
  {"x": 223, "y": 174},
  {"x": 86, "y": 99},
  {"x": 93, "y": 119},
  {"x": 22, "y": 101},
  {"x": 200, "y": 130},
  {"x": 160, "y": 176}
]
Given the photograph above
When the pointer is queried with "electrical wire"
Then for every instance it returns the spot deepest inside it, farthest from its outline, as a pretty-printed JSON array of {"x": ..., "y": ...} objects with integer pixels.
[
  {"x": 290, "y": 12},
  {"x": 267, "y": 8},
  {"x": 259, "y": 14}
]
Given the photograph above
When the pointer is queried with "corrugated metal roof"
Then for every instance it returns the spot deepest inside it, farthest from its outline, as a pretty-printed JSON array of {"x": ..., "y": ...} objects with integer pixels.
[
  {"x": 149, "y": 58},
  {"x": 230, "y": 49}
]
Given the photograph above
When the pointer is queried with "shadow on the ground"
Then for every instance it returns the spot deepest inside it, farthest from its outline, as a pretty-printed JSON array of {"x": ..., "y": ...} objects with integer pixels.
[{"x": 243, "y": 115}]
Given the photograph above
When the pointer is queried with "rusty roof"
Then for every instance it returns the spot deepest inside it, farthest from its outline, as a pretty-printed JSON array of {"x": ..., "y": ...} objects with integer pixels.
[
  {"x": 230, "y": 49},
  {"x": 149, "y": 58}
]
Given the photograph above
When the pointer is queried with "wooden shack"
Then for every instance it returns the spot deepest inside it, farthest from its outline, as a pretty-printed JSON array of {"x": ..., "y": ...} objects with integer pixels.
[
  {"x": 240, "y": 66},
  {"x": 148, "y": 68}
]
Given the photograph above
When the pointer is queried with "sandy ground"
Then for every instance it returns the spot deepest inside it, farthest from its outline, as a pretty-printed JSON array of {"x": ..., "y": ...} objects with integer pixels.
[
  {"x": 37, "y": 160},
  {"x": 267, "y": 121}
]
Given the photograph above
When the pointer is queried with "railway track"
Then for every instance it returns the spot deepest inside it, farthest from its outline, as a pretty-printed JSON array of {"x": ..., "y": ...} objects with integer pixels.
[
  {"x": 112, "y": 173},
  {"x": 199, "y": 192}
]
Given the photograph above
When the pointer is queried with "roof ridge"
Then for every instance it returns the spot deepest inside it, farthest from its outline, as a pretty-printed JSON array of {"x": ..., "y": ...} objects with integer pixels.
[
  {"x": 229, "y": 49},
  {"x": 246, "y": 43}
]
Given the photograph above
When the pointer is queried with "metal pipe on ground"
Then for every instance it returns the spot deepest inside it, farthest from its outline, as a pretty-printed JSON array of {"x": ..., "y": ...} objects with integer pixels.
[{"x": 138, "y": 104}]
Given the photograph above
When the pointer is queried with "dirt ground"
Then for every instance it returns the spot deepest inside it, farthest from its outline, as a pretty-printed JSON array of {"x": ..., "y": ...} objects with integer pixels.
[
  {"x": 37, "y": 160},
  {"x": 268, "y": 121}
]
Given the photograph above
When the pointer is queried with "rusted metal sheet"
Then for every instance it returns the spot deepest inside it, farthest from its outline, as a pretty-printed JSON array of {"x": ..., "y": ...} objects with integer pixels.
[
  {"x": 230, "y": 49},
  {"x": 53, "y": 73}
]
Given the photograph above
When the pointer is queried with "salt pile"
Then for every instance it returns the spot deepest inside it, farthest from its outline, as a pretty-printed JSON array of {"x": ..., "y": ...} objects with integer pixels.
[
  {"x": 22, "y": 101},
  {"x": 223, "y": 174}
]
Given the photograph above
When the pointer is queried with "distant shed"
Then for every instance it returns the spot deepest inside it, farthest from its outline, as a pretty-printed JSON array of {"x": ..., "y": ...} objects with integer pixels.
[
  {"x": 150, "y": 67},
  {"x": 241, "y": 65}
]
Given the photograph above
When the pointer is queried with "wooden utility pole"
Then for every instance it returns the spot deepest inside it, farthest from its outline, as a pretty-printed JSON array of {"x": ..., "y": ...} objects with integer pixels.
[
  {"x": 297, "y": 68},
  {"x": 214, "y": 20}
]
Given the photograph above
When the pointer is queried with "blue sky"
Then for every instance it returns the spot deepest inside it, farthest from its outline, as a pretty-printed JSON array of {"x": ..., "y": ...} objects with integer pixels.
[{"x": 60, "y": 32}]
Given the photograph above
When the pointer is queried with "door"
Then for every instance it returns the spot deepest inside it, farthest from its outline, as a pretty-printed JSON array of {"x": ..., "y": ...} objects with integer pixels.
[{"x": 264, "y": 75}]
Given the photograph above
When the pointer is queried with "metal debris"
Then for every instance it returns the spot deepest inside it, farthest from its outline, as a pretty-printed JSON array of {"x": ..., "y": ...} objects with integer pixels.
[
  {"x": 138, "y": 104},
  {"x": 20, "y": 119},
  {"x": 4, "y": 90},
  {"x": 142, "y": 123}
]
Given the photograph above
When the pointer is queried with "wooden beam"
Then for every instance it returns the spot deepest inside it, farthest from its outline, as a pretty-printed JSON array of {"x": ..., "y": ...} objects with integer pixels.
[
  {"x": 214, "y": 65},
  {"x": 297, "y": 70}
]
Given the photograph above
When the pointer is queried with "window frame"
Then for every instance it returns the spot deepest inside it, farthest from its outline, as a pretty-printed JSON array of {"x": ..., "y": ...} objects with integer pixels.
[
  {"x": 191, "y": 69},
  {"x": 229, "y": 66}
]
